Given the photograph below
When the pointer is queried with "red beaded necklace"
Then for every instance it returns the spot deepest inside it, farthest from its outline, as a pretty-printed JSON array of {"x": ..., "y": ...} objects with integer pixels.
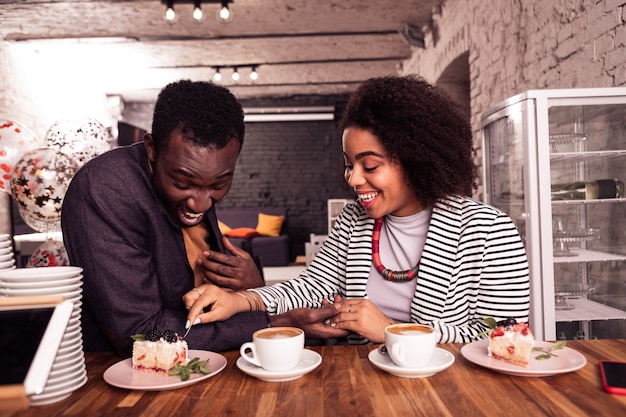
[{"x": 388, "y": 274}]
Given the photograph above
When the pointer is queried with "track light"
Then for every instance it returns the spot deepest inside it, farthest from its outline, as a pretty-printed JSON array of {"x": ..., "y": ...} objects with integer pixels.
[
  {"x": 217, "y": 76},
  {"x": 253, "y": 74},
  {"x": 236, "y": 76},
  {"x": 198, "y": 15},
  {"x": 224, "y": 14}
]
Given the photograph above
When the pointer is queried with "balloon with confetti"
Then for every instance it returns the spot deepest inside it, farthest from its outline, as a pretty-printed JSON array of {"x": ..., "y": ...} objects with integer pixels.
[
  {"x": 38, "y": 184},
  {"x": 50, "y": 253},
  {"x": 80, "y": 138},
  {"x": 15, "y": 140}
]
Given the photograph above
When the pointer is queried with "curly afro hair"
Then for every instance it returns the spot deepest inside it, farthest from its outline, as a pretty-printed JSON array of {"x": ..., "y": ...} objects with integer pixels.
[
  {"x": 422, "y": 129},
  {"x": 207, "y": 114}
]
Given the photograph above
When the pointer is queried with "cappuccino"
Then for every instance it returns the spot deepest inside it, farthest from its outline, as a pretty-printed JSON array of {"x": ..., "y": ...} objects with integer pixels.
[
  {"x": 410, "y": 329},
  {"x": 410, "y": 345},
  {"x": 274, "y": 349},
  {"x": 278, "y": 333}
]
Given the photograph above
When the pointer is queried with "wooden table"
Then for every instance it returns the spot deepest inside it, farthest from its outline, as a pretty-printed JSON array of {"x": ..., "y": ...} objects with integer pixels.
[{"x": 347, "y": 384}]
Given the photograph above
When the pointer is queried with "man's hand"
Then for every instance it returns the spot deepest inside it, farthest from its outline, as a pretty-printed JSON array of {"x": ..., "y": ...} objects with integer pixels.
[
  {"x": 312, "y": 321},
  {"x": 237, "y": 271}
]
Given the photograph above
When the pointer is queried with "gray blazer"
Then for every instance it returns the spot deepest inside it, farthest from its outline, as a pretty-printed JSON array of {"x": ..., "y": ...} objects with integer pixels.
[{"x": 135, "y": 268}]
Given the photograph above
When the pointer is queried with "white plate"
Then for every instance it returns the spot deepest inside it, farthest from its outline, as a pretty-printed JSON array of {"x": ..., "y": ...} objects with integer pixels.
[
  {"x": 567, "y": 360},
  {"x": 68, "y": 368},
  {"x": 15, "y": 285},
  {"x": 79, "y": 358},
  {"x": 123, "y": 375},
  {"x": 57, "y": 395},
  {"x": 41, "y": 274},
  {"x": 41, "y": 291},
  {"x": 309, "y": 361},
  {"x": 5, "y": 257},
  {"x": 441, "y": 360},
  {"x": 7, "y": 265},
  {"x": 63, "y": 380}
]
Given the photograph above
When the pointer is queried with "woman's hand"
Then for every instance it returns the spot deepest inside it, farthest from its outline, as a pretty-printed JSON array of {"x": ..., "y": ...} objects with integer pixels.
[
  {"x": 237, "y": 271},
  {"x": 223, "y": 304},
  {"x": 361, "y": 316}
]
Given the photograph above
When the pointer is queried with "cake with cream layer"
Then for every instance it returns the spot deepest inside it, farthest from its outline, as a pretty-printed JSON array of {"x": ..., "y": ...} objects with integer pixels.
[
  {"x": 511, "y": 342},
  {"x": 159, "y": 352}
]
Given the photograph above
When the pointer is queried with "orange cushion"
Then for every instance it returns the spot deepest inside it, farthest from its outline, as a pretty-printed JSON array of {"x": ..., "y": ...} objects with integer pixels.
[
  {"x": 269, "y": 225},
  {"x": 224, "y": 228},
  {"x": 242, "y": 232}
]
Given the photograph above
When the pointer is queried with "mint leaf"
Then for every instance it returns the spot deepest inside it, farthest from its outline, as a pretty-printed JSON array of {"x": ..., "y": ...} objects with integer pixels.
[
  {"x": 490, "y": 322},
  {"x": 193, "y": 366},
  {"x": 138, "y": 337}
]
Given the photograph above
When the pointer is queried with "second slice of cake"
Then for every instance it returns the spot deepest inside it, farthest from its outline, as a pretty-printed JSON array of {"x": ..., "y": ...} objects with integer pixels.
[{"x": 511, "y": 342}]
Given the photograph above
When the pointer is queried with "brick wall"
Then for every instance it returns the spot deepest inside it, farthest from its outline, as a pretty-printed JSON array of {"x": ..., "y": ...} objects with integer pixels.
[{"x": 518, "y": 45}]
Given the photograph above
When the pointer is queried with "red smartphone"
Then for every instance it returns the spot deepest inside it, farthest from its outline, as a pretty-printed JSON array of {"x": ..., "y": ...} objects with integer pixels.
[{"x": 613, "y": 374}]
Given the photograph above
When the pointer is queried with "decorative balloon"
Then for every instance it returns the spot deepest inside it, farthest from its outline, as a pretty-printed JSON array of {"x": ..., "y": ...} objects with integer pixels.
[
  {"x": 38, "y": 183},
  {"x": 15, "y": 140},
  {"x": 50, "y": 253},
  {"x": 82, "y": 139}
]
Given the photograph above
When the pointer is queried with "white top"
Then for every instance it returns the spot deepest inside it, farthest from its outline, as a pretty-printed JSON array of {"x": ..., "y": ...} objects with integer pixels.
[{"x": 401, "y": 243}]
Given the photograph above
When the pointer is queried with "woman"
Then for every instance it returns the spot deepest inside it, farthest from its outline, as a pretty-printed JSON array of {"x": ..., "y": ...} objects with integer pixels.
[{"x": 414, "y": 247}]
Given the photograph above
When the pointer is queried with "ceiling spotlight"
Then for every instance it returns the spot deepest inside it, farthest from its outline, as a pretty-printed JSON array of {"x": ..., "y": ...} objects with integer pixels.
[
  {"x": 217, "y": 76},
  {"x": 253, "y": 74},
  {"x": 224, "y": 14},
  {"x": 170, "y": 15},
  {"x": 198, "y": 14},
  {"x": 235, "y": 74}
]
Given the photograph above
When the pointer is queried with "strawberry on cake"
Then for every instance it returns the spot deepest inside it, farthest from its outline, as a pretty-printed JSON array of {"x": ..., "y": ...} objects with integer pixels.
[
  {"x": 158, "y": 352},
  {"x": 512, "y": 342}
]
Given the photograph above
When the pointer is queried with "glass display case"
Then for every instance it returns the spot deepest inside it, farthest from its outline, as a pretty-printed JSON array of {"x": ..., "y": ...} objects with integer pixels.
[{"x": 555, "y": 161}]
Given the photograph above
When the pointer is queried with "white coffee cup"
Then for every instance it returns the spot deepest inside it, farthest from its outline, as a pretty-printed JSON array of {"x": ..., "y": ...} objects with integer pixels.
[
  {"x": 410, "y": 345},
  {"x": 275, "y": 349}
]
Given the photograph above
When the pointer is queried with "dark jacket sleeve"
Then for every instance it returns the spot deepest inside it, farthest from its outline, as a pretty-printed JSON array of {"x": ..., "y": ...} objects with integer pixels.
[{"x": 135, "y": 268}]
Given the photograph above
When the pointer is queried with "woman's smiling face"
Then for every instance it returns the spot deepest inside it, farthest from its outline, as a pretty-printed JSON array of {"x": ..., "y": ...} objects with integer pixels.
[
  {"x": 380, "y": 183},
  {"x": 188, "y": 178}
]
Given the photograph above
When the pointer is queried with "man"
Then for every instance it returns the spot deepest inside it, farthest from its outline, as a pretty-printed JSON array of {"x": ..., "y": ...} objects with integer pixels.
[{"x": 141, "y": 222}]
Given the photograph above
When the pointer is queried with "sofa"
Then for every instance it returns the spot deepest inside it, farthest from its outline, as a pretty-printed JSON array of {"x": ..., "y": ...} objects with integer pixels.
[{"x": 260, "y": 232}]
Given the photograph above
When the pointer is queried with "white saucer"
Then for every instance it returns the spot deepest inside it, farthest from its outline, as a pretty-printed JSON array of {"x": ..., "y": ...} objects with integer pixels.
[
  {"x": 309, "y": 361},
  {"x": 440, "y": 361}
]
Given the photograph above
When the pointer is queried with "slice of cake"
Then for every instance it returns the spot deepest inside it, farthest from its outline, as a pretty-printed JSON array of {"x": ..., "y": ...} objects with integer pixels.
[
  {"x": 159, "y": 352},
  {"x": 511, "y": 342}
]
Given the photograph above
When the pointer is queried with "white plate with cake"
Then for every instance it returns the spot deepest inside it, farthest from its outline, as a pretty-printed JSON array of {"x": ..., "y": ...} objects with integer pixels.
[
  {"x": 564, "y": 360},
  {"x": 122, "y": 374}
]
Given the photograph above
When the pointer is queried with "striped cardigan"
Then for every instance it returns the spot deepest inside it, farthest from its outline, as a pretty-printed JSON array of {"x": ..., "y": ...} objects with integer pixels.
[{"x": 473, "y": 266}]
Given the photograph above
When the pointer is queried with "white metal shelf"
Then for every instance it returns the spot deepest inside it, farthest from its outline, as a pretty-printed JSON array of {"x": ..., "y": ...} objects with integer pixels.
[
  {"x": 585, "y": 309},
  {"x": 583, "y": 255},
  {"x": 587, "y": 156}
]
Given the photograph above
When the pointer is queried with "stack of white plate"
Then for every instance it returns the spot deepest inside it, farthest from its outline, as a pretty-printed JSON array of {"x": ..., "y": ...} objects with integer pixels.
[
  {"x": 7, "y": 258},
  {"x": 68, "y": 372}
]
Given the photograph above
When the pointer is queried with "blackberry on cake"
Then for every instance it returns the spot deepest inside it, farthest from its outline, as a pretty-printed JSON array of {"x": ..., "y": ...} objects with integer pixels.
[
  {"x": 511, "y": 341},
  {"x": 159, "y": 352}
]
